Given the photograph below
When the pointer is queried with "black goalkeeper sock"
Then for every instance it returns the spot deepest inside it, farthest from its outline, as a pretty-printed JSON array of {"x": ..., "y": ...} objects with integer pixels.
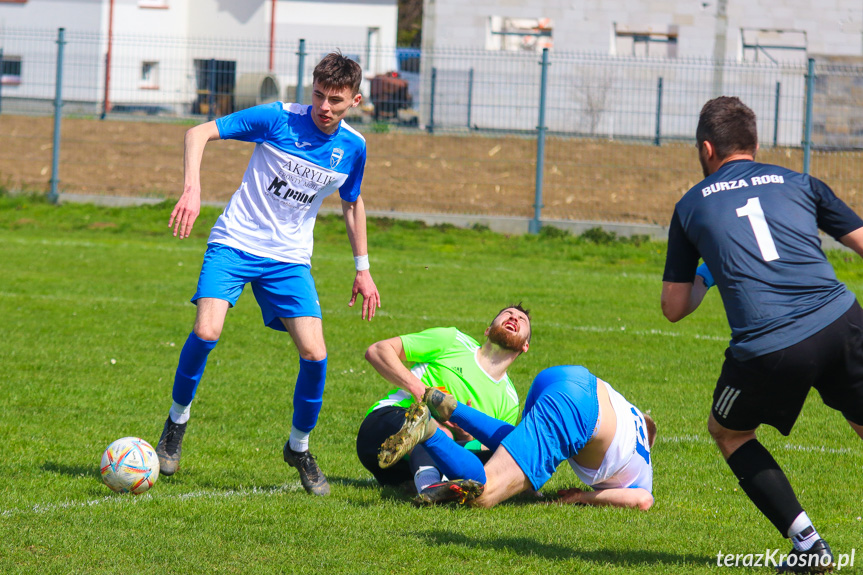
[{"x": 766, "y": 485}]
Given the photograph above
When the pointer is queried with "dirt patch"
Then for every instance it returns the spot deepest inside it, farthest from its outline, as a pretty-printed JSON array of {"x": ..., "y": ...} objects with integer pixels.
[{"x": 409, "y": 171}]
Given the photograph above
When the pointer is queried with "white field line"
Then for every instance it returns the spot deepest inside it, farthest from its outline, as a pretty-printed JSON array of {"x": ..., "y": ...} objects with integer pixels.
[
  {"x": 125, "y": 499},
  {"x": 622, "y": 329},
  {"x": 703, "y": 439},
  {"x": 178, "y": 247},
  {"x": 78, "y": 299}
]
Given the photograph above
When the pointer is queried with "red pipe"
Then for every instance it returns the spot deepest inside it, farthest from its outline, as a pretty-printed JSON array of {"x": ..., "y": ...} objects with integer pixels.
[
  {"x": 107, "y": 105},
  {"x": 272, "y": 33}
]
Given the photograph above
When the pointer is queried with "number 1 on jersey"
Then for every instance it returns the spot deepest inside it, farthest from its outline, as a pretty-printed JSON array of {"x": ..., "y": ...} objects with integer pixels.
[{"x": 753, "y": 211}]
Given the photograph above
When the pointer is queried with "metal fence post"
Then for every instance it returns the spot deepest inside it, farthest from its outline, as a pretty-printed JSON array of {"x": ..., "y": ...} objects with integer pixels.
[
  {"x": 776, "y": 115},
  {"x": 657, "y": 140},
  {"x": 535, "y": 223},
  {"x": 53, "y": 195},
  {"x": 469, "y": 93},
  {"x": 301, "y": 63},
  {"x": 105, "y": 99},
  {"x": 211, "y": 88},
  {"x": 1, "y": 80},
  {"x": 807, "y": 130},
  {"x": 430, "y": 127}
]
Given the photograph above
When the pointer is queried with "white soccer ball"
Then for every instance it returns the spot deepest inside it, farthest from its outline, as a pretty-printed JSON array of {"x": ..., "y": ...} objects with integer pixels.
[{"x": 130, "y": 465}]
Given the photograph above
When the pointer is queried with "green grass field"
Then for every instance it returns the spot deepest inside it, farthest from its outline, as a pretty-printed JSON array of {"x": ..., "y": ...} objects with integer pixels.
[{"x": 95, "y": 309}]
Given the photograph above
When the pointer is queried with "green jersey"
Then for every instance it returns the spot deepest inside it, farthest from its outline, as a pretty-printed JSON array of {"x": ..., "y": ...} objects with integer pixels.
[{"x": 446, "y": 358}]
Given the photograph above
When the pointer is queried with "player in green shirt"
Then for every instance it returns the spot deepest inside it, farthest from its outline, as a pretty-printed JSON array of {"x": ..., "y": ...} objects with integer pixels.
[{"x": 452, "y": 361}]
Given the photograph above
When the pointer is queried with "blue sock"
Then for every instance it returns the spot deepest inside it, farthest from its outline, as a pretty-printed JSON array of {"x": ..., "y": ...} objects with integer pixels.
[
  {"x": 309, "y": 393},
  {"x": 193, "y": 360},
  {"x": 452, "y": 459},
  {"x": 488, "y": 430}
]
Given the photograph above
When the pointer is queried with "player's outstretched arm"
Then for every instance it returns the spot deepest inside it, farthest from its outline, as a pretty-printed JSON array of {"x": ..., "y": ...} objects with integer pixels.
[
  {"x": 634, "y": 498},
  {"x": 364, "y": 285},
  {"x": 189, "y": 205},
  {"x": 387, "y": 357}
]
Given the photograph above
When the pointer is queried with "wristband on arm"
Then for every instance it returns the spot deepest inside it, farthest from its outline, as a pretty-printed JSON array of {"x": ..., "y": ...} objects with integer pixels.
[
  {"x": 705, "y": 275},
  {"x": 361, "y": 262}
]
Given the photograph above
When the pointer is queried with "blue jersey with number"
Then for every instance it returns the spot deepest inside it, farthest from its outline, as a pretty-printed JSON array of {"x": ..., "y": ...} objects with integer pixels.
[
  {"x": 756, "y": 227},
  {"x": 293, "y": 168}
]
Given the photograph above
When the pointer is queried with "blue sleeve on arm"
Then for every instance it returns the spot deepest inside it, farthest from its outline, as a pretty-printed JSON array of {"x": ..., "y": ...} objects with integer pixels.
[{"x": 250, "y": 125}]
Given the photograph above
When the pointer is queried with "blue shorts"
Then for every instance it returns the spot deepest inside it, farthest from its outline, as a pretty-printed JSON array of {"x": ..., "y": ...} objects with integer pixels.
[
  {"x": 282, "y": 289},
  {"x": 560, "y": 416}
]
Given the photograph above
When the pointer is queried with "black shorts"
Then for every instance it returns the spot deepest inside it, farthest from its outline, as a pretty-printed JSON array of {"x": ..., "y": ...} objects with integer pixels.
[
  {"x": 772, "y": 388},
  {"x": 375, "y": 428}
]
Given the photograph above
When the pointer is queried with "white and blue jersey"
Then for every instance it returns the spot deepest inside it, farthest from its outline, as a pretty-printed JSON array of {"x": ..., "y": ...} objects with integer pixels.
[
  {"x": 627, "y": 459},
  {"x": 293, "y": 168},
  {"x": 561, "y": 414},
  {"x": 756, "y": 227}
]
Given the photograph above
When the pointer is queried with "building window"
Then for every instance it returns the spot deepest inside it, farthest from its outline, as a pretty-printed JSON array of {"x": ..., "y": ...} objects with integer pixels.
[
  {"x": 641, "y": 41},
  {"x": 10, "y": 71},
  {"x": 518, "y": 34},
  {"x": 216, "y": 81},
  {"x": 152, "y": 3},
  {"x": 149, "y": 75},
  {"x": 773, "y": 45}
]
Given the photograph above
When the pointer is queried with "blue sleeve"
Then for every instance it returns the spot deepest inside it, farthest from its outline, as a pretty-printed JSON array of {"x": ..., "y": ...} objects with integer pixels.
[
  {"x": 834, "y": 215},
  {"x": 681, "y": 260},
  {"x": 250, "y": 125},
  {"x": 350, "y": 190}
]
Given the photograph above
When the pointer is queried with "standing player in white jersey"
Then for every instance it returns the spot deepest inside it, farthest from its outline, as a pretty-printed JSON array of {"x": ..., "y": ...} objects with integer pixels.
[{"x": 264, "y": 237}]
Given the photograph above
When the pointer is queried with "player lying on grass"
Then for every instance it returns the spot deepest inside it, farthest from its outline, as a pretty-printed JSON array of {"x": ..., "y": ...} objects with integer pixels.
[
  {"x": 448, "y": 359},
  {"x": 569, "y": 414}
]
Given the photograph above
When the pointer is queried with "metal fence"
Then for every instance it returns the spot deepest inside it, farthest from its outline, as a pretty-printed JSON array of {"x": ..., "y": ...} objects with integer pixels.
[{"x": 554, "y": 136}]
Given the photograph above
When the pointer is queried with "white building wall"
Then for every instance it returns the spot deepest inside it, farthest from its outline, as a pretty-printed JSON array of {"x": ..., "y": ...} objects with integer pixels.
[
  {"x": 39, "y": 54},
  {"x": 831, "y": 26},
  {"x": 174, "y": 33},
  {"x": 230, "y": 19},
  {"x": 149, "y": 32},
  {"x": 596, "y": 88},
  {"x": 80, "y": 15},
  {"x": 362, "y": 30}
]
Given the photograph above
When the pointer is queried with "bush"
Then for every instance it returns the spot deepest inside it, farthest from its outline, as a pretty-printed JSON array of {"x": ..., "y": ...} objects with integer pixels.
[{"x": 599, "y": 236}]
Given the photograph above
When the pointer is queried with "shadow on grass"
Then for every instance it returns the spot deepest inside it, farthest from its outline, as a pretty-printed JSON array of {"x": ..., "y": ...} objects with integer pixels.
[
  {"x": 95, "y": 487},
  {"x": 407, "y": 492},
  {"x": 72, "y": 470},
  {"x": 368, "y": 483},
  {"x": 531, "y": 547},
  {"x": 388, "y": 492}
]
